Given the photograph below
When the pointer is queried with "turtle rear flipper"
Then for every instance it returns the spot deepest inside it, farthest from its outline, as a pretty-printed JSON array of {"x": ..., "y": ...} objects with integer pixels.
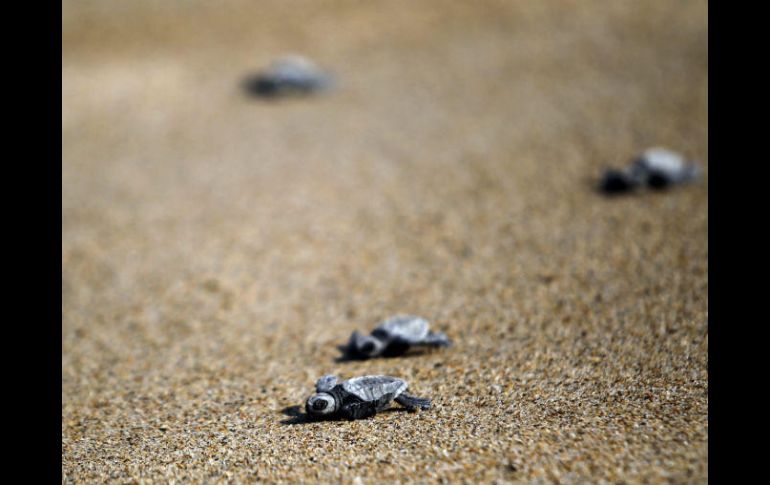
[
  {"x": 437, "y": 339},
  {"x": 411, "y": 403}
]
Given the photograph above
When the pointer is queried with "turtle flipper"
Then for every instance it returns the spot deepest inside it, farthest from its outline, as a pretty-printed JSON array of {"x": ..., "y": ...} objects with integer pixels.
[
  {"x": 325, "y": 383},
  {"x": 351, "y": 349},
  {"x": 437, "y": 339},
  {"x": 359, "y": 410},
  {"x": 411, "y": 403},
  {"x": 355, "y": 338}
]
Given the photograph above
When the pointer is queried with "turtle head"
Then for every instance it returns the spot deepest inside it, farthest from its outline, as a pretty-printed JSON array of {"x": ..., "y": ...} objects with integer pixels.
[
  {"x": 364, "y": 346},
  {"x": 369, "y": 346},
  {"x": 321, "y": 404}
]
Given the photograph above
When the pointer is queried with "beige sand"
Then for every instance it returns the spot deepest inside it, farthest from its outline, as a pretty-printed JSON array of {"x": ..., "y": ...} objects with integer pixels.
[{"x": 216, "y": 249}]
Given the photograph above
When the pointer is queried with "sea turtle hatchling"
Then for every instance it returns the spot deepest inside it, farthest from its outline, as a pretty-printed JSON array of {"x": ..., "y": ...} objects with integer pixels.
[
  {"x": 656, "y": 168},
  {"x": 394, "y": 337},
  {"x": 290, "y": 75},
  {"x": 360, "y": 397}
]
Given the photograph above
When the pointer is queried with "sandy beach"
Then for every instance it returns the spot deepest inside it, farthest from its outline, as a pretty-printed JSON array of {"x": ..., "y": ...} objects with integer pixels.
[{"x": 217, "y": 248}]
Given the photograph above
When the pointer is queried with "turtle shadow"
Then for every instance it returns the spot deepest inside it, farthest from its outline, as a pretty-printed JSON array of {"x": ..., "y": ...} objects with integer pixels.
[
  {"x": 265, "y": 87},
  {"x": 349, "y": 357},
  {"x": 613, "y": 192},
  {"x": 596, "y": 184},
  {"x": 297, "y": 417}
]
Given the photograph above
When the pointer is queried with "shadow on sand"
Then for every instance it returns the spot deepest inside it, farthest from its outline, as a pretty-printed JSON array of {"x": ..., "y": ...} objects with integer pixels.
[
  {"x": 297, "y": 416},
  {"x": 349, "y": 357}
]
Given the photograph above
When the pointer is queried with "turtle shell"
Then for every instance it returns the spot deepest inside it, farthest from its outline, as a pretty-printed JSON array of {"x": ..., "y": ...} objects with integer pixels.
[
  {"x": 372, "y": 388},
  {"x": 406, "y": 328},
  {"x": 662, "y": 167}
]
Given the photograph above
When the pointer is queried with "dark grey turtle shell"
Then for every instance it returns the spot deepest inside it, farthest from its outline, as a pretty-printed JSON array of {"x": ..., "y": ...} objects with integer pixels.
[
  {"x": 372, "y": 388},
  {"x": 406, "y": 328}
]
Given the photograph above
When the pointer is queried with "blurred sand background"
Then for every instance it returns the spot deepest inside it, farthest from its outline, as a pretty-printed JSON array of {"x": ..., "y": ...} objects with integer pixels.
[{"x": 216, "y": 248}]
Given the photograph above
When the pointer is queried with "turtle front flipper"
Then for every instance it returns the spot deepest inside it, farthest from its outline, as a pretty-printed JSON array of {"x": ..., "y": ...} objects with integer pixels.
[
  {"x": 326, "y": 383},
  {"x": 359, "y": 410},
  {"x": 351, "y": 349},
  {"x": 411, "y": 403}
]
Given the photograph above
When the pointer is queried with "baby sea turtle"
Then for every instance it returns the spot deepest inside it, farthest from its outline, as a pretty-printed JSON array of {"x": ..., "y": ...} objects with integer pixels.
[
  {"x": 656, "y": 168},
  {"x": 360, "y": 397},
  {"x": 290, "y": 75},
  {"x": 394, "y": 337}
]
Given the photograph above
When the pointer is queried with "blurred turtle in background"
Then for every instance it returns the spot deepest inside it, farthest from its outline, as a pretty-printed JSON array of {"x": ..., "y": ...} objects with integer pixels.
[
  {"x": 289, "y": 76},
  {"x": 656, "y": 168},
  {"x": 394, "y": 337}
]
